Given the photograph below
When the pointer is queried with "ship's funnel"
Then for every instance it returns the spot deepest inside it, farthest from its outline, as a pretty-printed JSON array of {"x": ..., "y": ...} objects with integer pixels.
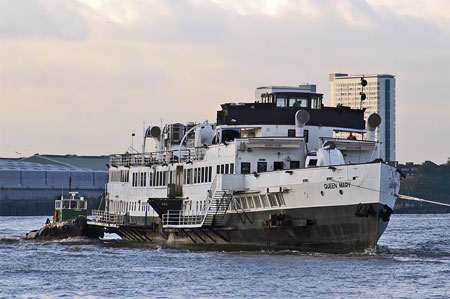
[
  {"x": 301, "y": 118},
  {"x": 373, "y": 122}
]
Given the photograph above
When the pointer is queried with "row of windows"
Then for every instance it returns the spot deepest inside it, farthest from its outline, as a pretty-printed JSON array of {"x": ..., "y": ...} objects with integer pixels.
[
  {"x": 205, "y": 174},
  {"x": 356, "y": 84},
  {"x": 261, "y": 166},
  {"x": 196, "y": 175},
  {"x": 192, "y": 176},
  {"x": 284, "y": 101},
  {"x": 119, "y": 176},
  {"x": 269, "y": 200},
  {"x": 139, "y": 179}
]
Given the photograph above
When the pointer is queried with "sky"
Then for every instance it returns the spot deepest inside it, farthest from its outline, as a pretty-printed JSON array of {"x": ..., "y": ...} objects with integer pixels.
[{"x": 79, "y": 77}]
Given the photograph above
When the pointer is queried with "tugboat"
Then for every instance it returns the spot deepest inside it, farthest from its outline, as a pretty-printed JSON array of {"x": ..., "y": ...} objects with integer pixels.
[{"x": 69, "y": 220}]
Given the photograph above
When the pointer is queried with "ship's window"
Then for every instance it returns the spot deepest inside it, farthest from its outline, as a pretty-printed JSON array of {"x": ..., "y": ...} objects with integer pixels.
[
  {"x": 316, "y": 102},
  {"x": 218, "y": 169},
  {"x": 210, "y": 174},
  {"x": 195, "y": 175},
  {"x": 251, "y": 204},
  {"x": 244, "y": 203},
  {"x": 265, "y": 201},
  {"x": 280, "y": 199},
  {"x": 278, "y": 165},
  {"x": 291, "y": 133},
  {"x": 65, "y": 204},
  {"x": 222, "y": 168},
  {"x": 257, "y": 202},
  {"x": 170, "y": 177},
  {"x": 237, "y": 203},
  {"x": 245, "y": 167},
  {"x": 272, "y": 200},
  {"x": 281, "y": 102},
  {"x": 262, "y": 166},
  {"x": 232, "y": 168},
  {"x": 298, "y": 102},
  {"x": 164, "y": 178},
  {"x": 202, "y": 174},
  {"x": 227, "y": 168},
  {"x": 306, "y": 135},
  {"x": 145, "y": 179},
  {"x": 189, "y": 176},
  {"x": 294, "y": 164}
]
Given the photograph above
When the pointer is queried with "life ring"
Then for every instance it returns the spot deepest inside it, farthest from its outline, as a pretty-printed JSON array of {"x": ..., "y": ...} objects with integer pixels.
[
  {"x": 65, "y": 228},
  {"x": 53, "y": 231},
  {"x": 44, "y": 232}
]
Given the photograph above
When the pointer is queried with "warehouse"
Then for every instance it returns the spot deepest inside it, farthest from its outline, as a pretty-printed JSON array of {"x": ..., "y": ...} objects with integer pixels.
[{"x": 30, "y": 188}]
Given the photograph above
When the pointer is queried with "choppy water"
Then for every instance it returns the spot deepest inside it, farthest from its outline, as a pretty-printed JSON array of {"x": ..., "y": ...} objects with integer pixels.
[{"x": 413, "y": 261}]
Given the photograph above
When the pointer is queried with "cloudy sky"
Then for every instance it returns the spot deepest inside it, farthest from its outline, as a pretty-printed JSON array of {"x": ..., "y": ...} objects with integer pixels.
[{"x": 81, "y": 76}]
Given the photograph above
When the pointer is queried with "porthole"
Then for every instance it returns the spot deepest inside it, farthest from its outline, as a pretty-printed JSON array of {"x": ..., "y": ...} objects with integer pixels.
[
  {"x": 341, "y": 192},
  {"x": 322, "y": 193}
]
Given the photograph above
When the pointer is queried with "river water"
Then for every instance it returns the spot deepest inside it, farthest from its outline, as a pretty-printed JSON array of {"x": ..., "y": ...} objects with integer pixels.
[{"x": 412, "y": 261}]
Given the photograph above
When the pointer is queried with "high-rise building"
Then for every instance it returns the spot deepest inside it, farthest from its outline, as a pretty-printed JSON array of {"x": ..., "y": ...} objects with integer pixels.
[{"x": 380, "y": 98}]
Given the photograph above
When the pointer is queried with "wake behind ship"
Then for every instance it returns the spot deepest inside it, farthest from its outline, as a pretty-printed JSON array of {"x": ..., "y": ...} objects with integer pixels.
[{"x": 283, "y": 171}]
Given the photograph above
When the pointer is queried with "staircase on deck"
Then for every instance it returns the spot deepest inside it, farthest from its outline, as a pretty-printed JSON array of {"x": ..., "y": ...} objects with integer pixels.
[{"x": 213, "y": 213}]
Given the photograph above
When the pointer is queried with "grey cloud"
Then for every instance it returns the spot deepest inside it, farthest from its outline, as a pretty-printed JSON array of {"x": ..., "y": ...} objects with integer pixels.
[{"x": 42, "y": 19}]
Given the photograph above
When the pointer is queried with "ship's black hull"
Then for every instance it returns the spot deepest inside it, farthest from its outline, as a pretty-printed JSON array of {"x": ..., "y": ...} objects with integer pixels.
[{"x": 351, "y": 227}]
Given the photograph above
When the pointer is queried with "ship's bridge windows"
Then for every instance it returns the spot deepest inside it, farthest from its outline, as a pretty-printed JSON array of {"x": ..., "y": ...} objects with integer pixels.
[
  {"x": 267, "y": 98},
  {"x": 316, "y": 102},
  {"x": 298, "y": 102},
  {"x": 281, "y": 101}
]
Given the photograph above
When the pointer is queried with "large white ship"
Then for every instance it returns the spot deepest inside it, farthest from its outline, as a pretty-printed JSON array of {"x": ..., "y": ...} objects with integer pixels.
[{"x": 280, "y": 172}]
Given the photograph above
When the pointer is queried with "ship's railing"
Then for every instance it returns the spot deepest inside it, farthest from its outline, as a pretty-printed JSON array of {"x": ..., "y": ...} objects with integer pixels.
[
  {"x": 151, "y": 158},
  {"x": 108, "y": 218},
  {"x": 175, "y": 218}
]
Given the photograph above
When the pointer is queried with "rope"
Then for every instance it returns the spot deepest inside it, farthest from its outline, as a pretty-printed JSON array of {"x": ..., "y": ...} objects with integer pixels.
[{"x": 420, "y": 199}]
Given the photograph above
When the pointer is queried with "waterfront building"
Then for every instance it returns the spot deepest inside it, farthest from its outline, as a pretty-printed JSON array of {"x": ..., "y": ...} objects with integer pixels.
[
  {"x": 379, "y": 93},
  {"x": 30, "y": 188},
  {"x": 409, "y": 169}
]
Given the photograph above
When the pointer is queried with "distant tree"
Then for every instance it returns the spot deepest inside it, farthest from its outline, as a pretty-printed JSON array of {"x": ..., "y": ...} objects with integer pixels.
[{"x": 432, "y": 182}]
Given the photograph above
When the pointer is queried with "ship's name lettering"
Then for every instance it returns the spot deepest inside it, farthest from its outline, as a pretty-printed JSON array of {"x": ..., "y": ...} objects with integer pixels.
[{"x": 337, "y": 185}]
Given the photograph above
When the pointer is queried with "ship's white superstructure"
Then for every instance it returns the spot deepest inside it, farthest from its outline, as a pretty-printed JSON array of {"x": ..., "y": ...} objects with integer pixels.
[{"x": 269, "y": 172}]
